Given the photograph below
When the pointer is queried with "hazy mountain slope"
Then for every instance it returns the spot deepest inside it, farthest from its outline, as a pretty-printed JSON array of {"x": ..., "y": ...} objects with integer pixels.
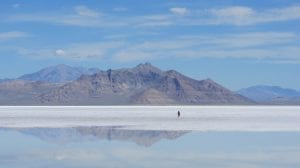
[
  {"x": 5, "y": 80},
  {"x": 143, "y": 84},
  {"x": 271, "y": 94},
  {"x": 151, "y": 96},
  {"x": 58, "y": 74},
  {"x": 20, "y": 92}
]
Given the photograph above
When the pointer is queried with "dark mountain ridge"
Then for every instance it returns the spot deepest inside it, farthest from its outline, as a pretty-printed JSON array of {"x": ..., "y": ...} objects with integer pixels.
[{"x": 143, "y": 84}]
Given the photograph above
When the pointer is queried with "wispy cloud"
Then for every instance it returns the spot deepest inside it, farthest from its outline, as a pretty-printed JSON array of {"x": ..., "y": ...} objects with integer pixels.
[
  {"x": 153, "y": 21},
  {"x": 232, "y": 15},
  {"x": 74, "y": 51},
  {"x": 120, "y": 9},
  {"x": 85, "y": 11},
  {"x": 242, "y": 15},
  {"x": 179, "y": 11},
  {"x": 256, "y": 45},
  {"x": 90, "y": 50},
  {"x": 263, "y": 46},
  {"x": 81, "y": 16},
  {"x": 12, "y": 35},
  {"x": 252, "y": 39}
]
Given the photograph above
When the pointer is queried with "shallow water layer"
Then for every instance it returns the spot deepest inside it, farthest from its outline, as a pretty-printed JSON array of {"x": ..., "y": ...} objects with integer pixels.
[
  {"x": 146, "y": 137},
  {"x": 199, "y": 118},
  {"x": 114, "y": 147}
]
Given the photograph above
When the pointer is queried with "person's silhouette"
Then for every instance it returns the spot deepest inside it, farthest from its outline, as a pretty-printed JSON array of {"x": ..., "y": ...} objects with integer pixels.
[{"x": 178, "y": 113}]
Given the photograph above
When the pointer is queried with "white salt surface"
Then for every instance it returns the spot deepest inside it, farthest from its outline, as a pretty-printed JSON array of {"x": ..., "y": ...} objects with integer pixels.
[{"x": 199, "y": 118}]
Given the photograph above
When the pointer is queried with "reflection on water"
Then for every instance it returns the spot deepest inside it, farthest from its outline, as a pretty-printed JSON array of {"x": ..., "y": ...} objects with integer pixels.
[
  {"x": 116, "y": 147},
  {"x": 67, "y": 135}
]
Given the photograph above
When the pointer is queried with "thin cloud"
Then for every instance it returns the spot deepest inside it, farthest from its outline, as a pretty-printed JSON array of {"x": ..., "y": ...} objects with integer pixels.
[
  {"x": 179, "y": 11},
  {"x": 60, "y": 52},
  {"x": 12, "y": 35},
  {"x": 74, "y": 51},
  {"x": 255, "y": 45},
  {"x": 90, "y": 50},
  {"x": 81, "y": 16},
  {"x": 120, "y": 9},
  {"x": 85, "y": 11},
  {"x": 242, "y": 15},
  {"x": 233, "y": 15},
  {"x": 252, "y": 39},
  {"x": 238, "y": 15},
  {"x": 264, "y": 46}
]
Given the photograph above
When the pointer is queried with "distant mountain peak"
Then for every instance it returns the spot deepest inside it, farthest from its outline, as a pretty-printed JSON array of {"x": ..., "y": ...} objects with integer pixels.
[
  {"x": 146, "y": 65},
  {"x": 271, "y": 94},
  {"x": 58, "y": 74},
  {"x": 172, "y": 72},
  {"x": 62, "y": 66},
  {"x": 57, "y": 67}
]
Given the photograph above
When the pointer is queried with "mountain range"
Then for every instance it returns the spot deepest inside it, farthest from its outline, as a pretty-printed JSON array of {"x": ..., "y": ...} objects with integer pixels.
[
  {"x": 143, "y": 84},
  {"x": 271, "y": 94}
]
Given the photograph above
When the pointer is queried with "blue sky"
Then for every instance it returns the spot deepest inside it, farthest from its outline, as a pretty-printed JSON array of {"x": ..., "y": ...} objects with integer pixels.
[{"x": 236, "y": 43}]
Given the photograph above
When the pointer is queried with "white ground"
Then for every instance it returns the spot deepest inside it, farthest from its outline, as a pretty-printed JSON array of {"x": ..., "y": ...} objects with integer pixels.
[{"x": 200, "y": 118}]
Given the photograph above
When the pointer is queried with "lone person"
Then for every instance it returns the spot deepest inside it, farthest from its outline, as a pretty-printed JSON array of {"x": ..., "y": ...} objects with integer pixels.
[{"x": 178, "y": 114}]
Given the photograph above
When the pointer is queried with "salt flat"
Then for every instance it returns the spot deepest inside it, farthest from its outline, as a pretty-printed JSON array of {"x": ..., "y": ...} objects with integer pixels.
[{"x": 198, "y": 118}]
